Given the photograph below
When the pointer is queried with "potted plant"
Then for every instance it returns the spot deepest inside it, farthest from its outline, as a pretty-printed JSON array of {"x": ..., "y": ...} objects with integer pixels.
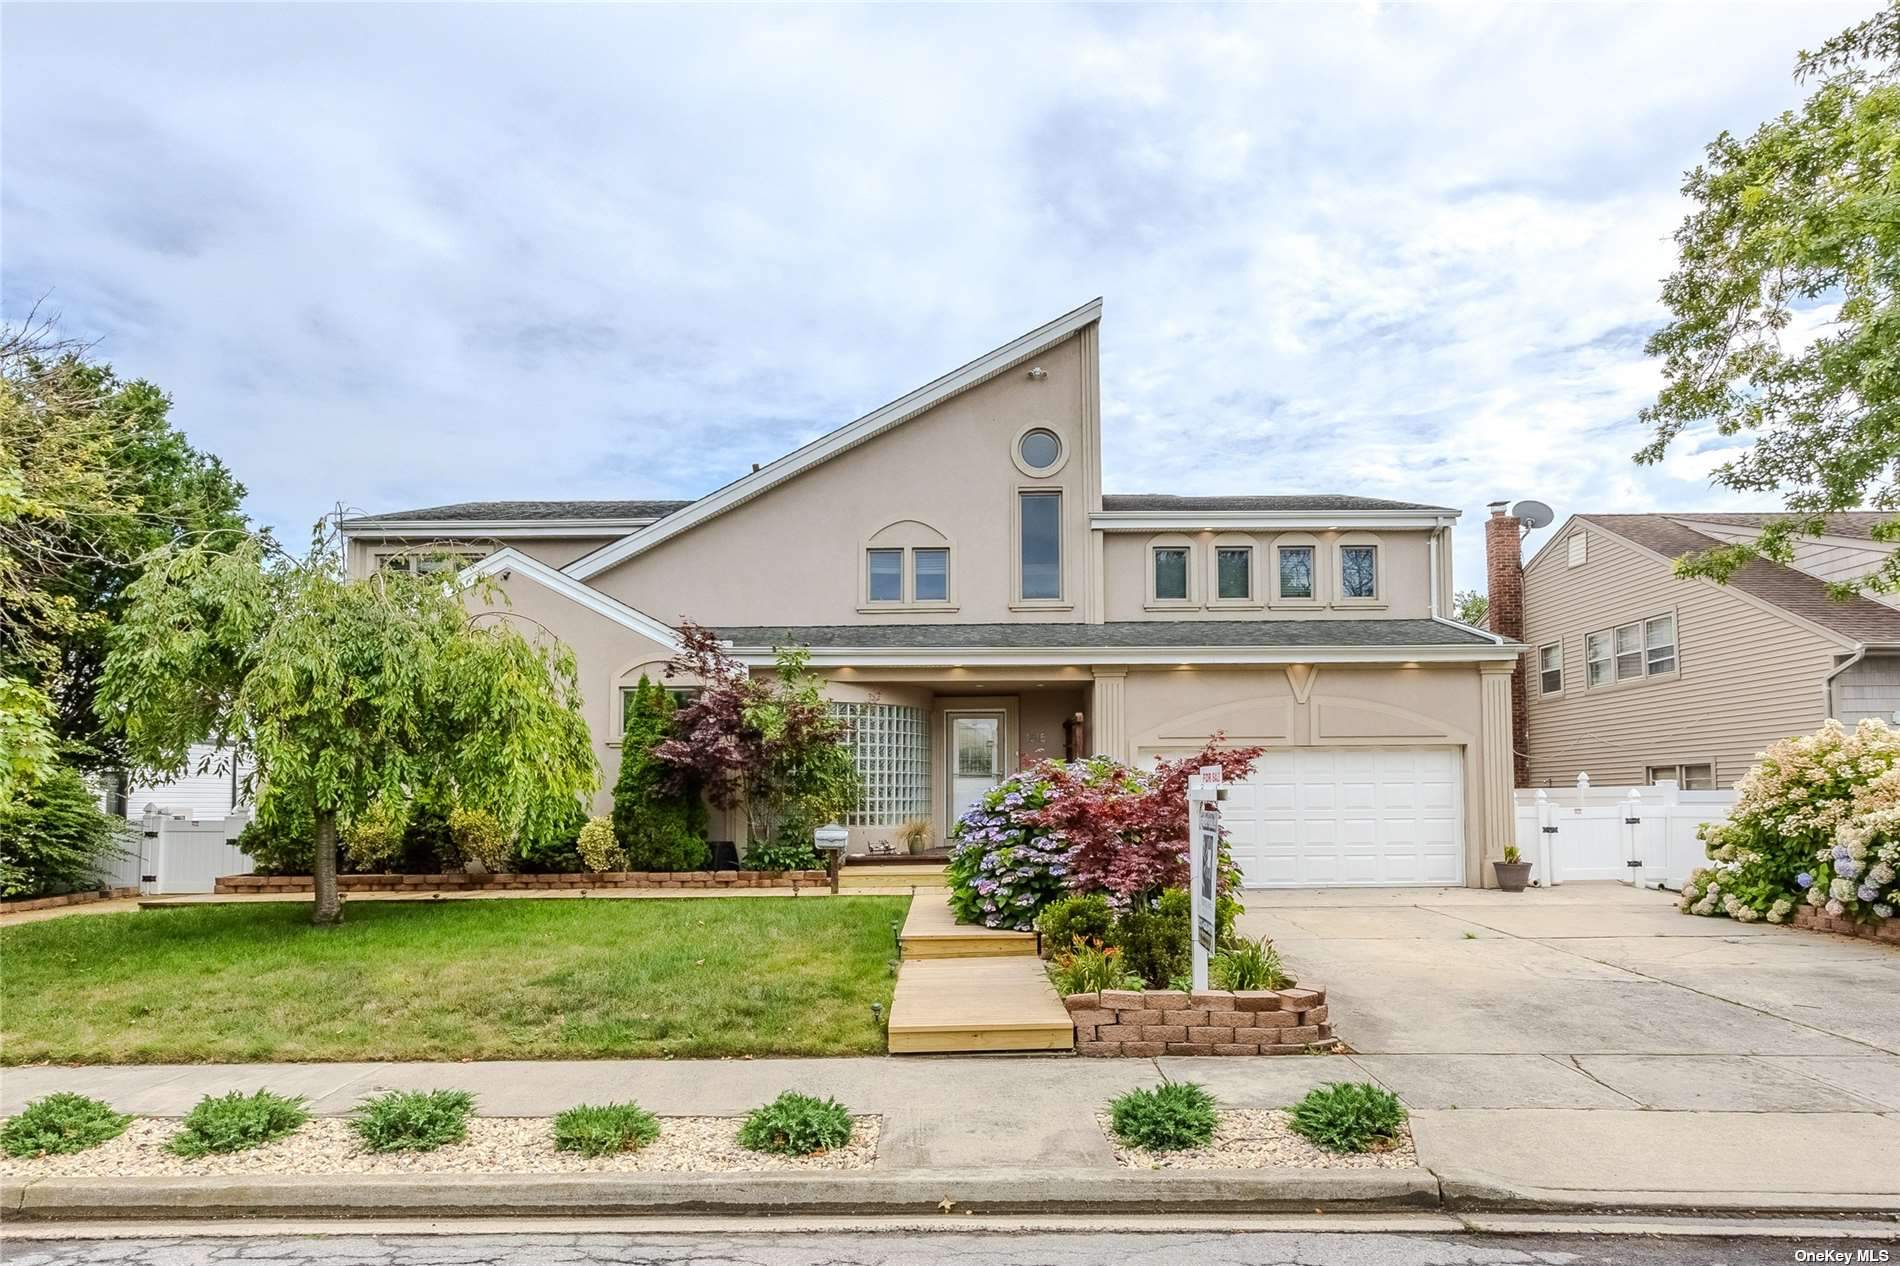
[
  {"x": 1514, "y": 874},
  {"x": 915, "y": 835}
]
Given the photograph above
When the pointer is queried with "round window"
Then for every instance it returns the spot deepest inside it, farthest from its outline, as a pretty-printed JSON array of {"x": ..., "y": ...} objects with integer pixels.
[{"x": 1040, "y": 449}]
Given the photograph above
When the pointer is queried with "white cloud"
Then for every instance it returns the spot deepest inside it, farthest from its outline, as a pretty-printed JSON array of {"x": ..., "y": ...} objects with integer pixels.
[{"x": 402, "y": 254}]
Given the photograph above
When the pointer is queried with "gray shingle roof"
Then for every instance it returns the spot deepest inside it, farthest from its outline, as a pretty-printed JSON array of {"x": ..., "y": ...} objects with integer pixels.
[
  {"x": 531, "y": 511},
  {"x": 1860, "y": 523},
  {"x": 1124, "y": 634},
  {"x": 1859, "y": 619},
  {"x": 1163, "y": 501}
]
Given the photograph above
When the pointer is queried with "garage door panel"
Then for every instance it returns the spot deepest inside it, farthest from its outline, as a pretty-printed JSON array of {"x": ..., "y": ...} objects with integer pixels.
[{"x": 1310, "y": 817}]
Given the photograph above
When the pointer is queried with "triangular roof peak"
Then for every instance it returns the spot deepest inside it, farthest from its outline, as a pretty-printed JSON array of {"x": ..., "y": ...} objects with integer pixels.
[{"x": 845, "y": 438}]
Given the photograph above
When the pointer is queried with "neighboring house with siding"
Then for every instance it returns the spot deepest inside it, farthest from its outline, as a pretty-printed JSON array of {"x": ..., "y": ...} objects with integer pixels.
[
  {"x": 975, "y": 602},
  {"x": 1634, "y": 675},
  {"x": 211, "y": 787}
]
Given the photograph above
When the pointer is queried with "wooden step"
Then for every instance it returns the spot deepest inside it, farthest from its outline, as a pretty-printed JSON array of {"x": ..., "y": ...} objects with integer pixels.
[
  {"x": 894, "y": 876},
  {"x": 931, "y": 931},
  {"x": 944, "y": 1005}
]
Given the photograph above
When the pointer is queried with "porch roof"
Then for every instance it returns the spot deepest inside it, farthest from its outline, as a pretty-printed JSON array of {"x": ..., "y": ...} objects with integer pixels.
[{"x": 1238, "y": 635}]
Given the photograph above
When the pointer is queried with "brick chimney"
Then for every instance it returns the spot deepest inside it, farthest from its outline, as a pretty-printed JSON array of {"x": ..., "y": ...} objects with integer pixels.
[{"x": 1504, "y": 584}]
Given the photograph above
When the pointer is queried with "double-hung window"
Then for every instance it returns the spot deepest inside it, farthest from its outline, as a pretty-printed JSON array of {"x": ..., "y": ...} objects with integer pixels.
[
  {"x": 884, "y": 575},
  {"x": 1296, "y": 571},
  {"x": 930, "y": 575},
  {"x": 1630, "y": 652},
  {"x": 1233, "y": 573},
  {"x": 1359, "y": 571},
  {"x": 1550, "y": 669},
  {"x": 1171, "y": 573}
]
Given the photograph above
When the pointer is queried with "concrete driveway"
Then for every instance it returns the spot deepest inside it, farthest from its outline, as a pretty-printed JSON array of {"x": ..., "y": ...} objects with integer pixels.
[{"x": 1506, "y": 1021}]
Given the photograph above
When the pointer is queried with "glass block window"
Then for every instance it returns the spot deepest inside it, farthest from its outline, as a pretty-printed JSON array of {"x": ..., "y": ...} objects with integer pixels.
[{"x": 891, "y": 743}]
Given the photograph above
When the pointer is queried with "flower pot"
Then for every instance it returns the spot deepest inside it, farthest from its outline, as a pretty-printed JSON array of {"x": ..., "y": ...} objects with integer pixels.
[{"x": 1512, "y": 876}]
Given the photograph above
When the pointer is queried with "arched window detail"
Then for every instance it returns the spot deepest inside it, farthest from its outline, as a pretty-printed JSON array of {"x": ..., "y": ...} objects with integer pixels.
[
  {"x": 1234, "y": 577},
  {"x": 907, "y": 566},
  {"x": 1297, "y": 570},
  {"x": 1359, "y": 563},
  {"x": 1172, "y": 581}
]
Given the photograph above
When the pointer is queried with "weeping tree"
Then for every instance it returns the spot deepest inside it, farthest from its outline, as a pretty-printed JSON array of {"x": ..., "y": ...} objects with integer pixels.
[{"x": 342, "y": 692}]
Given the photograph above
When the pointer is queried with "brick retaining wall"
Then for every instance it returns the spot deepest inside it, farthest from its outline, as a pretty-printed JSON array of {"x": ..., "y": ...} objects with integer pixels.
[
  {"x": 1146, "y": 1023},
  {"x": 1815, "y": 919},
  {"x": 461, "y": 881},
  {"x": 24, "y": 904}
]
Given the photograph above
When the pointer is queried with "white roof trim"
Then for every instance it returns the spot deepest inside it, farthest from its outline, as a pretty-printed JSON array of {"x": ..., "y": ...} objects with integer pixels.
[
  {"x": 1273, "y": 520},
  {"x": 845, "y": 437},
  {"x": 460, "y": 529},
  {"x": 1164, "y": 656},
  {"x": 1497, "y": 638},
  {"x": 509, "y": 559}
]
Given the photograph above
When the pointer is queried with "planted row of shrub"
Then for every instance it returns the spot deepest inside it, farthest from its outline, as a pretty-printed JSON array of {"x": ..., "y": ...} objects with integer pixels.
[
  {"x": 1341, "y": 1117},
  {"x": 405, "y": 1121},
  {"x": 1097, "y": 947}
]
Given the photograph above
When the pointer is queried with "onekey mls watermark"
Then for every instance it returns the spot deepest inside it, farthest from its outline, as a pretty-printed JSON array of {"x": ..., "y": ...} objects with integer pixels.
[{"x": 1843, "y": 1256}]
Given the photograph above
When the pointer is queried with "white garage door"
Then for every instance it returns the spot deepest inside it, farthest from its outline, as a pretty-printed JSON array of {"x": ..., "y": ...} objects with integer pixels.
[{"x": 1313, "y": 817}]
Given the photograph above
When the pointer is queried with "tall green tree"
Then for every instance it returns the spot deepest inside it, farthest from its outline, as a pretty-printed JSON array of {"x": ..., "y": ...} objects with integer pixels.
[
  {"x": 343, "y": 691},
  {"x": 1469, "y": 606},
  {"x": 659, "y": 826},
  {"x": 93, "y": 479},
  {"x": 1786, "y": 304}
]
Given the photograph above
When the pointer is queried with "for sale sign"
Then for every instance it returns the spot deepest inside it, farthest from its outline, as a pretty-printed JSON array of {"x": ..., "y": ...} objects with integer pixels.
[{"x": 1204, "y": 863}]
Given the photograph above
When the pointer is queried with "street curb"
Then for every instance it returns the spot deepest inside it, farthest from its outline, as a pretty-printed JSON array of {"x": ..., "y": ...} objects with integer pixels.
[
  {"x": 606, "y": 1195},
  {"x": 1489, "y": 1195}
]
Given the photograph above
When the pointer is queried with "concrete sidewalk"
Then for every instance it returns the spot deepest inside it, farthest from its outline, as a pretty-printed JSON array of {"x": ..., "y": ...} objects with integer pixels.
[{"x": 969, "y": 1114}]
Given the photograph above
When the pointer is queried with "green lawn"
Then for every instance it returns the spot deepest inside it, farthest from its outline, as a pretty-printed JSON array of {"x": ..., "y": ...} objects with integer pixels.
[{"x": 451, "y": 980}]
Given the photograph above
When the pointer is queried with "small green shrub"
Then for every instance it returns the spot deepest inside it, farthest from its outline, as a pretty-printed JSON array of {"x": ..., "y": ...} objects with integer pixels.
[
  {"x": 481, "y": 839},
  {"x": 428, "y": 846},
  {"x": 796, "y": 1125},
  {"x": 658, "y": 826},
  {"x": 1350, "y": 1116},
  {"x": 600, "y": 851},
  {"x": 1248, "y": 965},
  {"x": 278, "y": 844},
  {"x": 1155, "y": 939},
  {"x": 413, "y": 1120},
  {"x": 1091, "y": 966},
  {"x": 61, "y": 1123},
  {"x": 601, "y": 1129},
  {"x": 237, "y": 1122},
  {"x": 1084, "y": 917},
  {"x": 55, "y": 839},
  {"x": 783, "y": 854},
  {"x": 1165, "y": 1119},
  {"x": 373, "y": 840}
]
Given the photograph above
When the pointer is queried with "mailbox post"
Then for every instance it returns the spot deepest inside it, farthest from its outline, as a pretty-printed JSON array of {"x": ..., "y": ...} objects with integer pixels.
[
  {"x": 1204, "y": 796},
  {"x": 830, "y": 840}
]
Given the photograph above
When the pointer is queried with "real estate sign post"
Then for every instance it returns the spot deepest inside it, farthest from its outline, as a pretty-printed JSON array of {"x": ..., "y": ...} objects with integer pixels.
[{"x": 1204, "y": 793}]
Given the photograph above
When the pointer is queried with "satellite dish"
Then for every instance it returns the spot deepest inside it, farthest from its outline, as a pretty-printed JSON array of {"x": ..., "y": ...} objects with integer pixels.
[{"x": 1533, "y": 514}]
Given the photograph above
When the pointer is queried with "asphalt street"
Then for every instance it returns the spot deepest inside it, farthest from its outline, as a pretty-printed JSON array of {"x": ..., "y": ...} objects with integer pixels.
[{"x": 903, "y": 1248}]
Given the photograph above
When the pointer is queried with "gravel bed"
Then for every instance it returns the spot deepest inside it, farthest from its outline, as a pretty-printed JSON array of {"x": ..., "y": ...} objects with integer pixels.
[
  {"x": 1252, "y": 1138},
  {"x": 495, "y": 1145}
]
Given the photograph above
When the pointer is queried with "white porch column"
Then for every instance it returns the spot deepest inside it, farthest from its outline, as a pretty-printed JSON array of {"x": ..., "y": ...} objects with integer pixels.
[
  {"x": 1496, "y": 814},
  {"x": 1107, "y": 722}
]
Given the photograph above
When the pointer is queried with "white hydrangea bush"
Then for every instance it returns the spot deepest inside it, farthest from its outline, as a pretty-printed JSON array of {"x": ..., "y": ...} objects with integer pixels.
[{"x": 1817, "y": 819}]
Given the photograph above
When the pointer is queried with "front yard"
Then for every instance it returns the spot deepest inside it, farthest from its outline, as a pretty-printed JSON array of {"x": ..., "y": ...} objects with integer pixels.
[{"x": 514, "y": 979}]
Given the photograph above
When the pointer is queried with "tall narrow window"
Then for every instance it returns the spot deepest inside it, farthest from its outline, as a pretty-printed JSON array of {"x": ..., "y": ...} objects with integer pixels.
[
  {"x": 1629, "y": 652},
  {"x": 930, "y": 575},
  {"x": 1659, "y": 640},
  {"x": 1359, "y": 571},
  {"x": 1041, "y": 526},
  {"x": 1598, "y": 665},
  {"x": 885, "y": 570},
  {"x": 1233, "y": 568},
  {"x": 1296, "y": 571},
  {"x": 1171, "y": 574},
  {"x": 1550, "y": 669}
]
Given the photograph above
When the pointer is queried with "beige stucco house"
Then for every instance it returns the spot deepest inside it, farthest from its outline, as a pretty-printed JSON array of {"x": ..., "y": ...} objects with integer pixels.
[
  {"x": 1635, "y": 675},
  {"x": 977, "y": 602}
]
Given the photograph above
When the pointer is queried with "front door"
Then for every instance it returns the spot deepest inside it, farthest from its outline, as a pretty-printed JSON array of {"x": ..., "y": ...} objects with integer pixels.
[{"x": 975, "y": 751}]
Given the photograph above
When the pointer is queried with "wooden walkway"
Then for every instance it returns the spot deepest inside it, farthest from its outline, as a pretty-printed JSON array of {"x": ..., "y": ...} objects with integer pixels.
[{"x": 965, "y": 988}]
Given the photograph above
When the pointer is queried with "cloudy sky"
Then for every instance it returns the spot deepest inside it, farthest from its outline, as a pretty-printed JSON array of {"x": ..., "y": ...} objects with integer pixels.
[{"x": 394, "y": 256}]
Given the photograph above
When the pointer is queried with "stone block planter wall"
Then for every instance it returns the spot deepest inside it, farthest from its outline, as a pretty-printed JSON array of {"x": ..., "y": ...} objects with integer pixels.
[
  {"x": 461, "y": 881},
  {"x": 1146, "y": 1023},
  {"x": 1815, "y": 919},
  {"x": 23, "y": 904}
]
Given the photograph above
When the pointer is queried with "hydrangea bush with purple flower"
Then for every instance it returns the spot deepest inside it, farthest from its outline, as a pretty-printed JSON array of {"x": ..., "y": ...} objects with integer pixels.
[{"x": 1004, "y": 868}]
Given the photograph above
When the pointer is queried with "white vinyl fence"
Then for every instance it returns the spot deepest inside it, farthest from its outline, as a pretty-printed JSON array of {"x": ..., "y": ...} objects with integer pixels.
[
  {"x": 169, "y": 852},
  {"x": 1640, "y": 835}
]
